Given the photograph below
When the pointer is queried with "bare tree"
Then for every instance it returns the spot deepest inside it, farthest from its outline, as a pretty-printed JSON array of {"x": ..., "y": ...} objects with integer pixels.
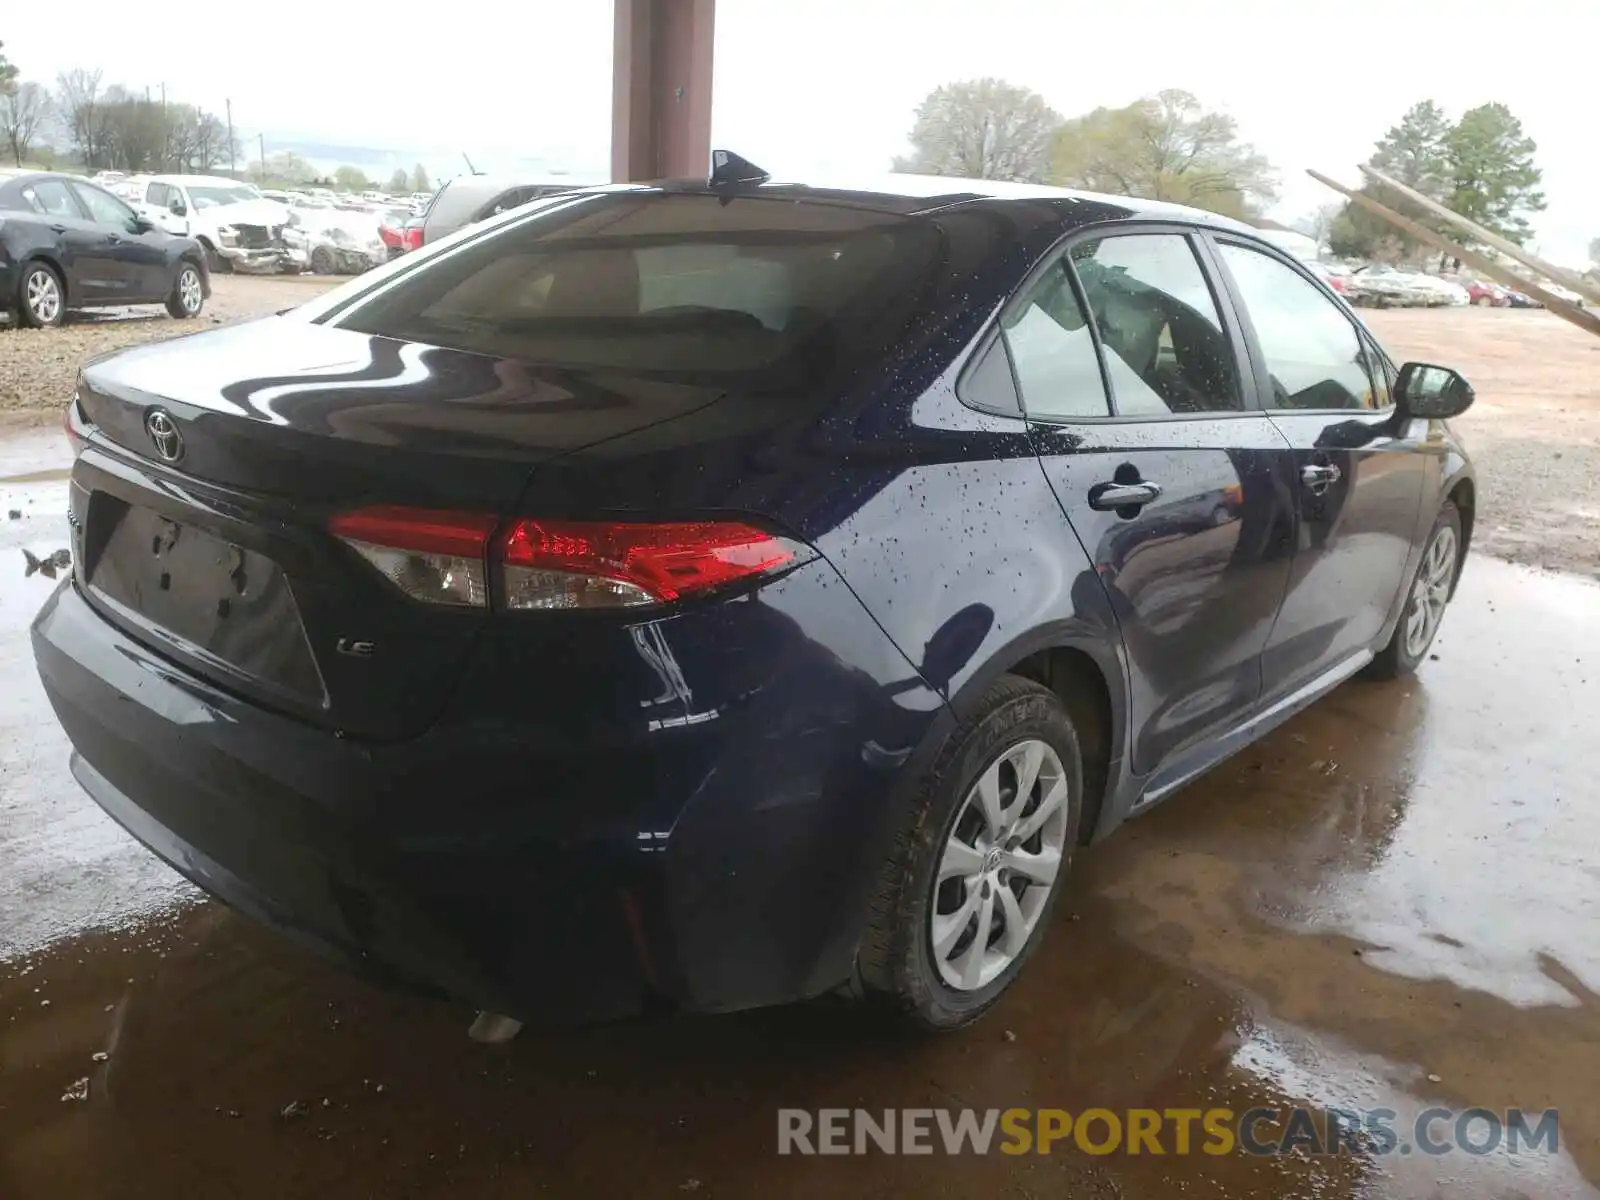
[
  {"x": 210, "y": 142},
  {"x": 22, "y": 111},
  {"x": 982, "y": 129},
  {"x": 78, "y": 100}
]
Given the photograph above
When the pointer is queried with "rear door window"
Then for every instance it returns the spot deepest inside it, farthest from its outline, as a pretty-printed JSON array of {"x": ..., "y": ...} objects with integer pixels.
[
  {"x": 1052, "y": 351},
  {"x": 673, "y": 284},
  {"x": 52, "y": 197},
  {"x": 158, "y": 194},
  {"x": 1161, "y": 334}
]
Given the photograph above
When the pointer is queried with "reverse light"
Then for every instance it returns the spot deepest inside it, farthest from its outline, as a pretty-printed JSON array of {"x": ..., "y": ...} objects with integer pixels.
[
  {"x": 430, "y": 555},
  {"x": 594, "y": 564},
  {"x": 443, "y": 557}
]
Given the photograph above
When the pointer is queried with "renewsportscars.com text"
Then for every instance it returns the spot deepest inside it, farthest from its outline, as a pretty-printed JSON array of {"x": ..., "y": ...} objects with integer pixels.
[{"x": 1177, "y": 1131}]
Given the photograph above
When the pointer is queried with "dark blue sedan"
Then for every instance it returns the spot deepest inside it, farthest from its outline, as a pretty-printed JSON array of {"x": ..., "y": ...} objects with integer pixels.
[{"x": 718, "y": 593}]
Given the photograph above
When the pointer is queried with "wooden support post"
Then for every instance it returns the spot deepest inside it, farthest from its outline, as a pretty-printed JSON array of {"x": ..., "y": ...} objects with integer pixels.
[
  {"x": 1582, "y": 318},
  {"x": 1490, "y": 238},
  {"x": 661, "y": 89}
]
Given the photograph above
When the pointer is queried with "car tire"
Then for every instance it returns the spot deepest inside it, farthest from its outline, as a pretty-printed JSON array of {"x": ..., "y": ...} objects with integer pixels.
[
  {"x": 322, "y": 262},
  {"x": 188, "y": 293},
  {"x": 1432, "y": 583},
  {"x": 41, "y": 299},
  {"x": 905, "y": 959}
]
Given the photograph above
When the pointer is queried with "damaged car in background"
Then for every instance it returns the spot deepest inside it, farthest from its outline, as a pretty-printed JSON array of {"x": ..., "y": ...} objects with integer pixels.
[
  {"x": 239, "y": 228},
  {"x": 334, "y": 242}
]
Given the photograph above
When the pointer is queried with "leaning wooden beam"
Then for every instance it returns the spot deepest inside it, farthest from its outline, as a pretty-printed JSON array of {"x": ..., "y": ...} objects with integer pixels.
[
  {"x": 1582, "y": 318},
  {"x": 1490, "y": 238}
]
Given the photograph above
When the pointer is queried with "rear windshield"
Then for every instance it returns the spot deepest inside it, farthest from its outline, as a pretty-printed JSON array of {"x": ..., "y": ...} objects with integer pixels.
[{"x": 679, "y": 284}]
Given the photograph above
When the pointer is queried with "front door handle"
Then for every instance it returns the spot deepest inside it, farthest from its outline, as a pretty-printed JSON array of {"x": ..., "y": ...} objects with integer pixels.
[
  {"x": 1320, "y": 476},
  {"x": 58, "y": 229},
  {"x": 1106, "y": 497}
]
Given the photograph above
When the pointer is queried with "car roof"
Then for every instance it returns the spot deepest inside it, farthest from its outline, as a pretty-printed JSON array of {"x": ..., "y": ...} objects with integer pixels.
[
  {"x": 917, "y": 194},
  {"x": 204, "y": 180},
  {"x": 7, "y": 174},
  {"x": 500, "y": 183}
]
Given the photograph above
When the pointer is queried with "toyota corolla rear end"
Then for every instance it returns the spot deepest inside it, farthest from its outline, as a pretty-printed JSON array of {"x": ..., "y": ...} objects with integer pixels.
[{"x": 355, "y": 640}]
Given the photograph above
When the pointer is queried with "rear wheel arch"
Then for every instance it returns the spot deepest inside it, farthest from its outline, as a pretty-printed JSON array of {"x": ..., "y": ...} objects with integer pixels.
[
  {"x": 1086, "y": 674},
  {"x": 1077, "y": 680},
  {"x": 42, "y": 256}
]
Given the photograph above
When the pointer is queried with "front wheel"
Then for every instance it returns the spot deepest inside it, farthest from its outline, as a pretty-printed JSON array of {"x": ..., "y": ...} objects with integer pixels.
[
  {"x": 188, "y": 296},
  {"x": 1430, "y": 592},
  {"x": 978, "y": 862}
]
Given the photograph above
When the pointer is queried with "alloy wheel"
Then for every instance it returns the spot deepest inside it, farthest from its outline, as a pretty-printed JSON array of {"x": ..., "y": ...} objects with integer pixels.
[
  {"x": 189, "y": 294},
  {"x": 1431, "y": 592},
  {"x": 43, "y": 296},
  {"x": 999, "y": 865}
]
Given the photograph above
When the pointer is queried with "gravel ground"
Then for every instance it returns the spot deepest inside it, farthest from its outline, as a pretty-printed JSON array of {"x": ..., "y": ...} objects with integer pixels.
[
  {"x": 1534, "y": 431},
  {"x": 38, "y": 366}
]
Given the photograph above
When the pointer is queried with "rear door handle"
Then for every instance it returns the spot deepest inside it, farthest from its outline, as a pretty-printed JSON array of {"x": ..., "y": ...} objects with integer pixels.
[
  {"x": 58, "y": 229},
  {"x": 1318, "y": 476},
  {"x": 1105, "y": 497}
]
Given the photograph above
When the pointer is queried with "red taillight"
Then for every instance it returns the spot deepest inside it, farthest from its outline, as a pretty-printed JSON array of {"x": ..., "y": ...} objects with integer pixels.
[
  {"x": 411, "y": 237},
  {"x": 442, "y": 557},
  {"x": 593, "y": 564},
  {"x": 390, "y": 236}
]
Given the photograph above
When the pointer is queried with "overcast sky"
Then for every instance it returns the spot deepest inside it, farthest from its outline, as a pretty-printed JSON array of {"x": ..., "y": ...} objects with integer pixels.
[{"x": 811, "y": 87}]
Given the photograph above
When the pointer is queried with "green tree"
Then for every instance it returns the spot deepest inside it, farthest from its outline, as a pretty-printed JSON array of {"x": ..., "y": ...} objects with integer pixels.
[
  {"x": 351, "y": 179},
  {"x": 981, "y": 129},
  {"x": 1480, "y": 167},
  {"x": 8, "y": 73},
  {"x": 1164, "y": 147},
  {"x": 1493, "y": 179},
  {"x": 399, "y": 182},
  {"x": 419, "y": 179},
  {"x": 1415, "y": 153}
]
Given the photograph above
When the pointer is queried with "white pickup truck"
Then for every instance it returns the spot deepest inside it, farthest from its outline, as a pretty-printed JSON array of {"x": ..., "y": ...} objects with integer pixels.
[{"x": 239, "y": 229}]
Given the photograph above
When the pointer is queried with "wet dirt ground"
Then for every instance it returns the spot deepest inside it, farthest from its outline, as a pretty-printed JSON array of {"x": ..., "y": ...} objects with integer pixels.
[{"x": 1390, "y": 902}]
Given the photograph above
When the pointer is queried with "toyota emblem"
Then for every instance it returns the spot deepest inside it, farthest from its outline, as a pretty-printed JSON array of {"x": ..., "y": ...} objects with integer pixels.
[{"x": 163, "y": 431}]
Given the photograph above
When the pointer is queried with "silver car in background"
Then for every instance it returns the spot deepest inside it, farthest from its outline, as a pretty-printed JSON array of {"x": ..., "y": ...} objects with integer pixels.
[{"x": 470, "y": 198}]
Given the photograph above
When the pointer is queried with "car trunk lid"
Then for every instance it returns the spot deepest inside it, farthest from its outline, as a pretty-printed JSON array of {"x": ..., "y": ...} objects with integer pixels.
[{"x": 216, "y": 463}]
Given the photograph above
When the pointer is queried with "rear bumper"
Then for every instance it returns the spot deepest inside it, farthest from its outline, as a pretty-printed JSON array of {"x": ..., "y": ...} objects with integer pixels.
[{"x": 716, "y": 862}]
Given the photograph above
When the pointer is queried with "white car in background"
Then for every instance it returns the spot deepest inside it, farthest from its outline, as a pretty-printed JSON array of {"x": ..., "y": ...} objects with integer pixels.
[
  {"x": 1380, "y": 285},
  {"x": 240, "y": 229},
  {"x": 335, "y": 241}
]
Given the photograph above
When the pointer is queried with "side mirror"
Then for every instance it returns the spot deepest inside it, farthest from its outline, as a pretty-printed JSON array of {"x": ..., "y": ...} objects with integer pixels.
[
  {"x": 1431, "y": 393},
  {"x": 142, "y": 224},
  {"x": 178, "y": 208}
]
